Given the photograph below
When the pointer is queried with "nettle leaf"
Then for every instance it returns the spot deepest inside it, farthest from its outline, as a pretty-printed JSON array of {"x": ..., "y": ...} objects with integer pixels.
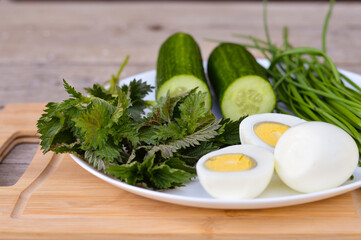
[
  {"x": 99, "y": 91},
  {"x": 132, "y": 156},
  {"x": 74, "y": 147},
  {"x": 71, "y": 91},
  {"x": 201, "y": 135},
  {"x": 229, "y": 132},
  {"x": 177, "y": 100},
  {"x": 134, "y": 172},
  {"x": 167, "y": 131},
  {"x": 138, "y": 90},
  {"x": 72, "y": 112},
  {"x": 125, "y": 130},
  {"x": 95, "y": 161},
  {"x": 123, "y": 104},
  {"x": 136, "y": 111},
  {"x": 204, "y": 134},
  {"x": 55, "y": 109},
  {"x": 56, "y": 119},
  {"x": 198, "y": 151},
  {"x": 154, "y": 119},
  {"x": 101, "y": 103},
  {"x": 64, "y": 136},
  {"x": 146, "y": 135},
  {"x": 167, "y": 105},
  {"x": 206, "y": 120},
  {"x": 146, "y": 166},
  {"x": 52, "y": 109},
  {"x": 176, "y": 163},
  {"x": 109, "y": 152},
  {"x": 126, "y": 172},
  {"x": 163, "y": 176},
  {"x": 101, "y": 158},
  {"x": 164, "y": 106},
  {"x": 165, "y": 150},
  {"x": 48, "y": 129},
  {"x": 191, "y": 110},
  {"x": 92, "y": 123}
]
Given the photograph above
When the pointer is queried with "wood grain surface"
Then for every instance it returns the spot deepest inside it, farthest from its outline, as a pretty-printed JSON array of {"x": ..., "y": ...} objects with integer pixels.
[
  {"x": 41, "y": 43},
  {"x": 57, "y": 199},
  {"x": 13, "y": 166}
]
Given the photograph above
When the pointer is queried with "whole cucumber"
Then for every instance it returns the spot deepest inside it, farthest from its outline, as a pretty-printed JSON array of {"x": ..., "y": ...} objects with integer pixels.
[
  {"x": 239, "y": 82},
  {"x": 180, "y": 67}
]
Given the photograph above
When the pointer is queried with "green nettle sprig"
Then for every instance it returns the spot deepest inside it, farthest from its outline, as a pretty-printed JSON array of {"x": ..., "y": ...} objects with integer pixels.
[{"x": 109, "y": 129}]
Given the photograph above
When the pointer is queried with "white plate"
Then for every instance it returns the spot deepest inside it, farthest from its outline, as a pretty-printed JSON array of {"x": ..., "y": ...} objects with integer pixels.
[{"x": 192, "y": 194}]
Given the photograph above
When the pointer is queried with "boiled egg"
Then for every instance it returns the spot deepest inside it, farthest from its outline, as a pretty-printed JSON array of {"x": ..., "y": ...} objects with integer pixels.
[
  {"x": 265, "y": 129},
  {"x": 315, "y": 156},
  {"x": 236, "y": 172}
]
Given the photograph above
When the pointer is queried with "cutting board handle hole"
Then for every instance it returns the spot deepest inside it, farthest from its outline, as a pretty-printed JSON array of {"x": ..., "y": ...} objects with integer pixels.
[{"x": 16, "y": 156}]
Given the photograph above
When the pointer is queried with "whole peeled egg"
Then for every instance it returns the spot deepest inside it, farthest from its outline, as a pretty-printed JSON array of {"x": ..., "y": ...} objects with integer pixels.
[
  {"x": 265, "y": 129},
  {"x": 236, "y": 172},
  {"x": 315, "y": 156}
]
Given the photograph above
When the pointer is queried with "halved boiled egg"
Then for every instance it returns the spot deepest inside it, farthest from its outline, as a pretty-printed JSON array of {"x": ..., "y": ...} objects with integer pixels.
[
  {"x": 265, "y": 129},
  {"x": 315, "y": 156},
  {"x": 236, "y": 172}
]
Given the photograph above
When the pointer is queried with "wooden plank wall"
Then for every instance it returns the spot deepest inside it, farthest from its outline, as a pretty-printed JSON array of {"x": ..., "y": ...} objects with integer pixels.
[{"x": 84, "y": 43}]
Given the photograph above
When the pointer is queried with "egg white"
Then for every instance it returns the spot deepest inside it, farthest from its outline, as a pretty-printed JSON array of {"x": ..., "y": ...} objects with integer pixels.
[
  {"x": 246, "y": 128},
  {"x": 315, "y": 156},
  {"x": 240, "y": 184}
]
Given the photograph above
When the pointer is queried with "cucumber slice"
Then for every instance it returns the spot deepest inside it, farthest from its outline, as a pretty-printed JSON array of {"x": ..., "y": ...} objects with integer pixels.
[
  {"x": 180, "y": 67},
  {"x": 247, "y": 96},
  {"x": 240, "y": 83}
]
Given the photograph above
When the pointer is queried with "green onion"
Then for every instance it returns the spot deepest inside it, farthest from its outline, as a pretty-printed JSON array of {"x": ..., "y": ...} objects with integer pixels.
[{"x": 307, "y": 81}]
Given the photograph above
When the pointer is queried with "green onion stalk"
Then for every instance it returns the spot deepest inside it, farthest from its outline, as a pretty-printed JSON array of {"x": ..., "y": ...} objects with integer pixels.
[{"x": 307, "y": 81}]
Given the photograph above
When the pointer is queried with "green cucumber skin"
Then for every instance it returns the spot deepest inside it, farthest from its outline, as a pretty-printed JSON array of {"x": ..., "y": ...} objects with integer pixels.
[
  {"x": 179, "y": 55},
  {"x": 227, "y": 63}
]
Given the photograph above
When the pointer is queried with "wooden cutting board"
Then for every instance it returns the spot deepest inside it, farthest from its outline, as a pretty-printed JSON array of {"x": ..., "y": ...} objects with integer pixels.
[{"x": 56, "y": 199}]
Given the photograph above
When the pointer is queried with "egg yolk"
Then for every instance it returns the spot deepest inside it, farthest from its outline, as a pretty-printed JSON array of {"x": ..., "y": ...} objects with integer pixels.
[
  {"x": 270, "y": 132},
  {"x": 229, "y": 163}
]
